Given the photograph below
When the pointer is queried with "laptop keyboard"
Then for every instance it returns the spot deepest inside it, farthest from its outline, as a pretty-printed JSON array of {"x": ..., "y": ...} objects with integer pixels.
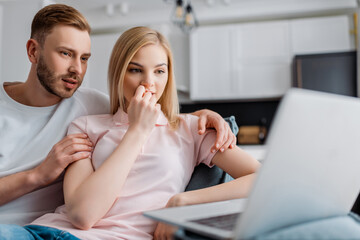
[{"x": 226, "y": 222}]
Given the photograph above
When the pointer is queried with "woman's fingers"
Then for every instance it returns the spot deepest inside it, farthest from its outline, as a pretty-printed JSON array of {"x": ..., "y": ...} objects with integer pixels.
[{"x": 139, "y": 93}]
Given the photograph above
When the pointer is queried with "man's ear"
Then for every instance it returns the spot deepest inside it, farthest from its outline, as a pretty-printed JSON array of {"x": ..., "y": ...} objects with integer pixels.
[{"x": 33, "y": 50}]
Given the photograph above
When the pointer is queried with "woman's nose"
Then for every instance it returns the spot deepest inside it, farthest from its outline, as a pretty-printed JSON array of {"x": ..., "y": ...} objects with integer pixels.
[{"x": 148, "y": 81}]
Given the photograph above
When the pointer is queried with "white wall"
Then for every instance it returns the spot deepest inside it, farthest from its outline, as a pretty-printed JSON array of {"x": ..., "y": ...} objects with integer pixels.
[
  {"x": 16, "y": 25},
  {"x": 101, "y": 47},
  {"x": 1, "y": 27}
]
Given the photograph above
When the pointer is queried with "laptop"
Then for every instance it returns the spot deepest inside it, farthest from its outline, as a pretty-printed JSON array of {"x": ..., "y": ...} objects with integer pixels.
[{"x": 311, "y": 171}]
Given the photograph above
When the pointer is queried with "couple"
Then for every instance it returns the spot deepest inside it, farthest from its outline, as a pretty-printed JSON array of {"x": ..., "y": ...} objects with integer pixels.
[{"x": 139, "y": 157}]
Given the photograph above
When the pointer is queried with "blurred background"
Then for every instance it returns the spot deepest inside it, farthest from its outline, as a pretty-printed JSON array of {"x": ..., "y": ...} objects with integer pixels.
[{"x": 237, "y": 57}]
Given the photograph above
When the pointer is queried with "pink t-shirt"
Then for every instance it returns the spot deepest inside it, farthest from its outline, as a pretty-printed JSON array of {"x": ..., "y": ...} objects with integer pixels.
[{"x": 162, "y": 169}]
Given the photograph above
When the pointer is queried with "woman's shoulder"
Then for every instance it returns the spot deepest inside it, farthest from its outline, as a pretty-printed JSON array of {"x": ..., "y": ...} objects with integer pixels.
[
  {"x": 92, "y": 125},
  {"x": 188, "y": 121},
  {"x": 187, "y": 117}
]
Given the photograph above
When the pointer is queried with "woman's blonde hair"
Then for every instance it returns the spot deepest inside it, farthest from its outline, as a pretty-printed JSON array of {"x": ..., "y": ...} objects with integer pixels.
[{"x": 124, "y": 50}]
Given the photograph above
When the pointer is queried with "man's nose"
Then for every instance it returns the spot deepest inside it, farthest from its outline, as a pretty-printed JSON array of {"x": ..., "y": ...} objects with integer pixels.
[{"x": 76, "y": 67}]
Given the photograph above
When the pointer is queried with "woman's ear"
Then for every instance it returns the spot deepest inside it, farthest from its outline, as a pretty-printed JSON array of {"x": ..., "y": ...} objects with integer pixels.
[{"x": 32, "y": 48}]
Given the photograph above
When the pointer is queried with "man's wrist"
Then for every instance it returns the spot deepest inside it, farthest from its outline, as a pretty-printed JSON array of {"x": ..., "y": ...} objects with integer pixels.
[
  {"x": 33, "y": 179},
  {"x": 198, "y": 112}
]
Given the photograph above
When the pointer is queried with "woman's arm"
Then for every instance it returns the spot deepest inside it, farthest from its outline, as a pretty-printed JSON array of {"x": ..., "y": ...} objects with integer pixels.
[
  {"x": 239, "y": 165},
  {"x": 90, "y": 194}
]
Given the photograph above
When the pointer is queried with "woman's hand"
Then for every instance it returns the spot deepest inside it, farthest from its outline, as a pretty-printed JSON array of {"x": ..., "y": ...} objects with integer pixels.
[
  {"x": 224, "y": 138},
  {"x": 143, "y": 110},
  {"x": 165, "y": 231}
]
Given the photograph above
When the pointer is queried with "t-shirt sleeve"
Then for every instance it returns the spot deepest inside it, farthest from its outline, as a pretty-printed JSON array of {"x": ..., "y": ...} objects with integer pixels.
[
  {"x": 98, "y": 103},
  {"x": 77, "y": 126},
  {"x": 94, "y": 101},
  {"x": 203, "y": 143}
]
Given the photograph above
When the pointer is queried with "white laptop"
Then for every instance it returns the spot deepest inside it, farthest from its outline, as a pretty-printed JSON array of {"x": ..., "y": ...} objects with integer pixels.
[{"x": 311, "y": 171}]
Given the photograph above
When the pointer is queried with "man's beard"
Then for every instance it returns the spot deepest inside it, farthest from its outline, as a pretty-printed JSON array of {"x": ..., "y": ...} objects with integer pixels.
[{"x": 48, "y": 80}]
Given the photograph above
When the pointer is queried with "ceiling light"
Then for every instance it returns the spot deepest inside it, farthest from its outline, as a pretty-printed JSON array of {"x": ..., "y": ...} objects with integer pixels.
[
  {"x": 110, "y": 9},
  {"x": 124, "y": 8},
  {"x": 179, "y": 9},
  {"x": 183, "y": 15}
]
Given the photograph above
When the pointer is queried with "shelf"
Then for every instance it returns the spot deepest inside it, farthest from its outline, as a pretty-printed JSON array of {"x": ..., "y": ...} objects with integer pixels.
[{"x": 257, "y": 151}]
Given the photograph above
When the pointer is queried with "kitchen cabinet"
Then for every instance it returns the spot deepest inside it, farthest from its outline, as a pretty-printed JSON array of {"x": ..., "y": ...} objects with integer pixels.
[
  {"x": 211, "y": 74},
  {"x": 320, "y": 35},
  {"x": 253, "y": 60}
]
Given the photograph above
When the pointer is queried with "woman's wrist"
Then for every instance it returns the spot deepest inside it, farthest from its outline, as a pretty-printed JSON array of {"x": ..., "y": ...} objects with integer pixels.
[
  {"x": 178, "y": 200},
  {"x": 138, "y": 131},
  {"x": 141, "y": 128}
]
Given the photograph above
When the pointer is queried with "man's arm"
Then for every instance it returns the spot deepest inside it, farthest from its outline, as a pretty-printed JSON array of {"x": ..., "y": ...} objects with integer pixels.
[
  {"x": 16, "y": 185},
  {"x": 69, "y": 149},
  {"x": 209, "y": 119}
]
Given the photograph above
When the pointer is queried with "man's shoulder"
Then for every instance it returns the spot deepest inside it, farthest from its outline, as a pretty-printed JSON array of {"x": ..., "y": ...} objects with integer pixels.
[
  {"x": 86, "y": 93},
  {"x": 94, "y": 101},
  {"x": 95, "y": 118},
  {"x": 92, "y": 124}
]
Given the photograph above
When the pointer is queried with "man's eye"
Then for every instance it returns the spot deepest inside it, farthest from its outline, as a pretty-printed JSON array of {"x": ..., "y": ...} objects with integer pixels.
[
  {"x": 65, "y": 53},
  {"x": 84, "y": 59}
]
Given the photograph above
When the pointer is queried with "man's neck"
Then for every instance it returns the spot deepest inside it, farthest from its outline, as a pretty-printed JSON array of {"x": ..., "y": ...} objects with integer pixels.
[{"x": 29, "y": 94}]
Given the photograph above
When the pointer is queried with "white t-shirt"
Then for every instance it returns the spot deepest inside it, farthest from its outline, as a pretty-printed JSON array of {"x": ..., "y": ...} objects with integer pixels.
[{"x": 27, "y": 134}]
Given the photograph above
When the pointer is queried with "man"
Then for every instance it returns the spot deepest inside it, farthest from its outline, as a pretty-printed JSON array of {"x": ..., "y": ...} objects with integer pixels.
[{"x": 35, "y": 115}]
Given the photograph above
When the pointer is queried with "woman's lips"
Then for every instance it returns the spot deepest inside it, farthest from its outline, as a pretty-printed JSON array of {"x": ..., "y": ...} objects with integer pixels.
[{"x": 152, "y": 93}]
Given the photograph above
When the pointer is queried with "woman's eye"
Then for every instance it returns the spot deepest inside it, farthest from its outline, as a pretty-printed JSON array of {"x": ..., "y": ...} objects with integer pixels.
[
  {"x": 134, "y": 70},
  {"x": 160, "y": 71}
]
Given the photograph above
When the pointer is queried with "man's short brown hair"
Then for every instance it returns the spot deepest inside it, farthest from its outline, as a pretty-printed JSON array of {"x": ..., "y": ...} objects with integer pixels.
[{"x": 56, "y": 14}]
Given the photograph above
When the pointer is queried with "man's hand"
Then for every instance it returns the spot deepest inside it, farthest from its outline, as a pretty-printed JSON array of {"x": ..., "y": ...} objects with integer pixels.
[
  {"x": 72, "y": 148},
  {"x": 225, "y": 138}
]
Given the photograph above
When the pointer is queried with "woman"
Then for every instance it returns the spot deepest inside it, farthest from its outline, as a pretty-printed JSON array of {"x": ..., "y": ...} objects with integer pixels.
[{"x": 144, "y": 153}]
